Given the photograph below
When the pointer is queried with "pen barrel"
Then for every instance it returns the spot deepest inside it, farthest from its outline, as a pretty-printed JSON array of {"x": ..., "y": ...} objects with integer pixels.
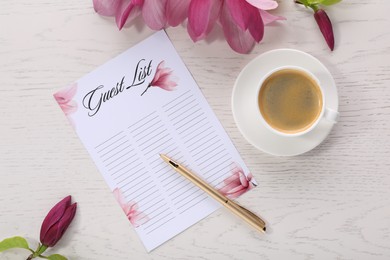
[
  {"x": 238, "y": 210},
  {"x": 201, "y": 184},
  {"x": 246, "y": 215}
]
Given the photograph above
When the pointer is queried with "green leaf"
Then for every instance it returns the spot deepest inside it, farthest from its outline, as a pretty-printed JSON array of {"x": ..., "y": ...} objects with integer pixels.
[
  {"x": 330, "y": 2},
  {"x": 305, "y": 2},
  {"x": 13, "y": 242},
  {"x": 57, "y": 257},
  {"x": 323, "y": 2}
]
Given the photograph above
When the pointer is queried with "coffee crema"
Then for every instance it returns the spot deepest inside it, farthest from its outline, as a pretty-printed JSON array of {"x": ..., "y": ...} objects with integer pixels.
[{"x": 290, "y": 101}]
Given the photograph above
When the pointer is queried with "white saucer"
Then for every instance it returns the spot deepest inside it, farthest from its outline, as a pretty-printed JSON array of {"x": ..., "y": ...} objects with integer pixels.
[{"x": 245, "y": 111}]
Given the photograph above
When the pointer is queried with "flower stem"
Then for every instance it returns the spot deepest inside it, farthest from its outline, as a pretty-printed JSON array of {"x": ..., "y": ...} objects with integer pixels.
[
  {"x": 38, "y": 252},
  {"x": 146, "y": 89},
  {"x": 312, "y": 6}
]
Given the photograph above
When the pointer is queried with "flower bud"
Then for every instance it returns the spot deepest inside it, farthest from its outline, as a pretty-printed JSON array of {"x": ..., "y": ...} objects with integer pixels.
[
  {"x": 325, "y": 25},
  {"x": 57, "y": 221}
]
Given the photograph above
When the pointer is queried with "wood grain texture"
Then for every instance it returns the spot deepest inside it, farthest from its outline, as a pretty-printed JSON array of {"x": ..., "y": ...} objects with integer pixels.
[{"x": 330, "y": 203}]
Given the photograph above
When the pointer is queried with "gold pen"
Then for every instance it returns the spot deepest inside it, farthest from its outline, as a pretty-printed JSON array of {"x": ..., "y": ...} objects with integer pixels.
[{"x": 240, "y": 211}]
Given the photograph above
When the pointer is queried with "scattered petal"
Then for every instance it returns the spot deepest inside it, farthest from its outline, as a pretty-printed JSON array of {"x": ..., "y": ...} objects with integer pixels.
[
  {"x": 202, "y": 15},
  {"x": 176, "y": 11},
  {"x": 123, "y": 13},
  {"x": 153, "y": 13},
  {"x": 269, "y": 18},
  {"x": 263, "y": 4},
  {"x": 239, "y": 40},
  {"x": 106, "y": 7}
]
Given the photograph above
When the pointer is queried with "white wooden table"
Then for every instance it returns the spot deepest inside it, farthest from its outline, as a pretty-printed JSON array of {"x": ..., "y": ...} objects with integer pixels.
[{"x": 330, "y": 203}]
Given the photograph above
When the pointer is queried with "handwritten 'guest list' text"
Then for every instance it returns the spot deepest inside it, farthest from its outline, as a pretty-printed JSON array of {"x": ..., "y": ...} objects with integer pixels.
[{"x": 142, "y": 103}]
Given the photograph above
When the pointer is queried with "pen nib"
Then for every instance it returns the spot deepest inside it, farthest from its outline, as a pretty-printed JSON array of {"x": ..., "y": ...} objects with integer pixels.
[
  {"x": 169, "y": 160},
  {"x": 164, "y": 157}
]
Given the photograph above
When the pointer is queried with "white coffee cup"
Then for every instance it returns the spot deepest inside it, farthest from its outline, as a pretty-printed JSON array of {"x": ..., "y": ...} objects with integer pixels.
[{"x": 325, "y": 112}]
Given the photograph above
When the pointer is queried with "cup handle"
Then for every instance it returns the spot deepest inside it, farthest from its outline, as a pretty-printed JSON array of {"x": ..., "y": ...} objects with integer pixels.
[{"x": 331, "y": 115}]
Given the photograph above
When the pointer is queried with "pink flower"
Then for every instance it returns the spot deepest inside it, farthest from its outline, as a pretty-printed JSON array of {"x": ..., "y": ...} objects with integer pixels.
[
  {"x": 135, "y": 217},
  {"x": 162, "y": 79},
  {"x": 242, "y": 20},
  {"x": 64, "y": 99},
  {"x": 57, "y": 222},
  {"x": 123, "y": 10},
  {"x": 153, "y": 11},
  {"x": 237, "y": 184}
]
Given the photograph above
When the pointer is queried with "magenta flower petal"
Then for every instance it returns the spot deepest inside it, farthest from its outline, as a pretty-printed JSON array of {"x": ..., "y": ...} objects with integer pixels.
[
  {"x": 256, "y": 26},
  {"x": 202, "y": 15},
  {"x": 239, "y": 12},
  {"x": 106, "y": 7},
  {"x": 269, "y": 18},
  {"x": 263, "y": 4},
  {"x": 123, "y": 13},
  {"x": 246, "y": 17},
  {"x": 176, "y": 11},
  {"x": 326, "y": 28},
  {"x": 55, "y": 233},
  {"x": 54, "y": 215},
  {"x": 153, "y": 13},
  {"x": 239, "y": 40},
  {"x": 57, "y": 222}
]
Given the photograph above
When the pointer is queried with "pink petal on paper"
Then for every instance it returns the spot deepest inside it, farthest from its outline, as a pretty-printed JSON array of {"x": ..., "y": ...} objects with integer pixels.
[
  {"x": 236, "y": 184},
  {"x": 237, "y": 194},
  {"x": 106, "y": 7},
  {"x": 243, "y": 180},
  {"x": 176, "y": 11},
  {"x": 263, "y": 4},
  {"x": 269, "y": 18},
  {"x": 157, "y": 75},
  {"x": 118, "y": 196},
  {"x": 66, "y": 94},
  {"x": 153, "y": 13},
  {"x": 229, "y": 186},
  {"x": 139, "y": 219},
  {"x": 236, "y": 189},
  {"x": 162, "y": 78},
  {"x": 239, "y": 40},
  {"x": 234, "y": 178},
  {"x": 165, "y": 83},
  {"x": 64, "y": 99},
  {"x": 202, "y": 15},
  {"x": 69, "y": 107},
  {"x": 161, "y": 65}
]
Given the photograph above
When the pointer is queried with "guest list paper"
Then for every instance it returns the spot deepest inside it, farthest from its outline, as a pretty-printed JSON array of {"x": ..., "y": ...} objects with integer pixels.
[{"x": 142, "y": 103}]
